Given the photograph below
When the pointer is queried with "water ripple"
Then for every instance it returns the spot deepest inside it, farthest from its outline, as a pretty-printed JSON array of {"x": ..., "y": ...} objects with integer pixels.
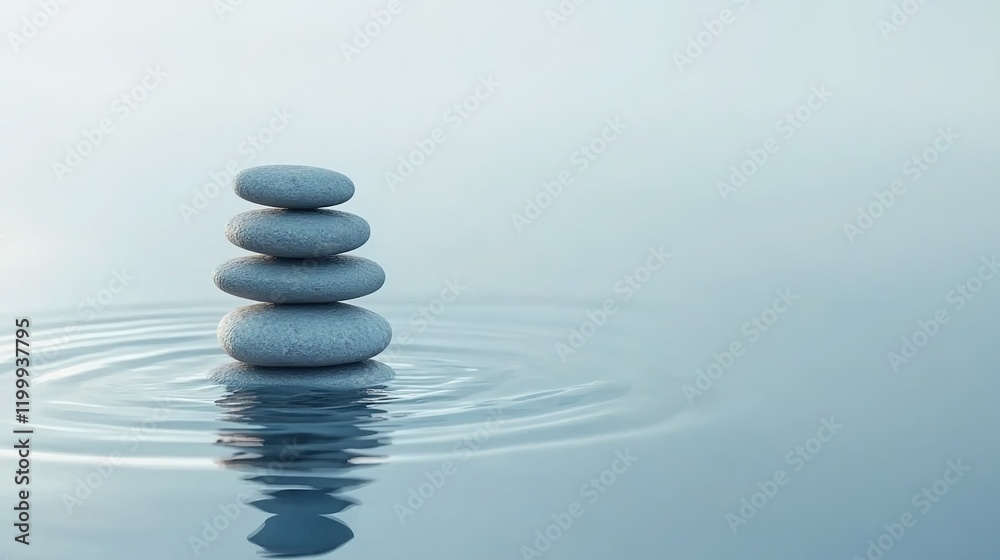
[{"x": 135, "y": 383}]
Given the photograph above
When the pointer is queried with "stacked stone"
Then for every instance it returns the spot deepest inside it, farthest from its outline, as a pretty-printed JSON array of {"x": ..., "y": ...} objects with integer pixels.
[{"x": 301, "y": 275}]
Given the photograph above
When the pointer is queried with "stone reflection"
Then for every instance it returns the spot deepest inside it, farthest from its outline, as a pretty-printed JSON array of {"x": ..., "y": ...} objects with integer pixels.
[{"x": 304, "y": 448}]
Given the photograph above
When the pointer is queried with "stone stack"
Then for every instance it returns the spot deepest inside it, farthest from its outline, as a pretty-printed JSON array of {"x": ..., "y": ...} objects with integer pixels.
[{"x": 301, "y": 275}]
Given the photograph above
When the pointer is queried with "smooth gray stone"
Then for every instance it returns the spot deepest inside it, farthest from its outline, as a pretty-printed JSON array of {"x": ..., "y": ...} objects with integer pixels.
[
  {"x": 277, "y": 280},
  {"x": 293, "y": 186},
  {"x": 303, "y": 335},
  {"x": 298, "y": 234},
  {"x": 368, "y": 373}
]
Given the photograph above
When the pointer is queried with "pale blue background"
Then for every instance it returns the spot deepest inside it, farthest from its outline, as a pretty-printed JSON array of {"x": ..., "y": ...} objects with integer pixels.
[{"x": 655, "y": 186}]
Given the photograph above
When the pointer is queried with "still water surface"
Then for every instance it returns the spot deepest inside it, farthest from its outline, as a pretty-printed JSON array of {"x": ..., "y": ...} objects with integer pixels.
[{"x": 488, "y": 445}]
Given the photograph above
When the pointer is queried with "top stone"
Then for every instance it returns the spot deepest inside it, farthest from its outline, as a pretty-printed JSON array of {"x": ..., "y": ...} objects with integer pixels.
[{"x": 299, "y": 187}]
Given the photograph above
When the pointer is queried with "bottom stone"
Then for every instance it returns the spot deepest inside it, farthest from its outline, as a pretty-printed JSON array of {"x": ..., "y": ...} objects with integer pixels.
[
  {"x": 303, "y": 334},
  {"x": 368, "y": 373}
]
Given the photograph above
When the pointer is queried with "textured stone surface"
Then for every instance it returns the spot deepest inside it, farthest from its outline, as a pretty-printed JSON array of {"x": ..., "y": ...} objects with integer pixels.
[
  {"x": 277, "y": 280},
  {"x": 293, "y": 186},
  {"x": 303, "y": 335},
  {"x": 368, "y": 373},
  {"x": 298, "y": 234}
]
